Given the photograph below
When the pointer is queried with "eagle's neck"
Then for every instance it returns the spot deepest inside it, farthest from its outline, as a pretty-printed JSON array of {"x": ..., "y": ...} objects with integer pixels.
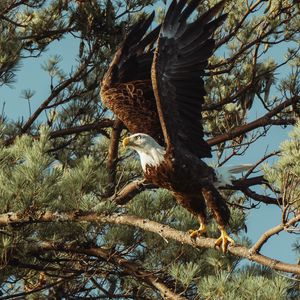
[{"x": 151, "y": 156}]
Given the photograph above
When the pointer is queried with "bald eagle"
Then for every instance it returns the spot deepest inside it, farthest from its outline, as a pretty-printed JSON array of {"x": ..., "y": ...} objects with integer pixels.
[{"x": 154, "y": 86}]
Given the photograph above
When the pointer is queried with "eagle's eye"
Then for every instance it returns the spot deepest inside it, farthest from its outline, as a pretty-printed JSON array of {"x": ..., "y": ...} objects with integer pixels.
[{"x": 139, "y": 140}]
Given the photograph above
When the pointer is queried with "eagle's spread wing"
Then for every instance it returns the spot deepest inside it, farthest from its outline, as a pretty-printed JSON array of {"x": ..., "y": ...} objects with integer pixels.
[
  {"x": 136, "y": 53},
  {"x": 179, "y": 61},
  {"x": 126, "y": 87}
]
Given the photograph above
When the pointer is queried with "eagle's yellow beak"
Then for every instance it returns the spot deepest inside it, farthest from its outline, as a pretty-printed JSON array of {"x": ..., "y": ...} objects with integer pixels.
[{"x": 126, "y": 142}]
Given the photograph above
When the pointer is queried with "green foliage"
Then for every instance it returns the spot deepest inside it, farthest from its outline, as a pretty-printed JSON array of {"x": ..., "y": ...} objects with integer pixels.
[
  {"x": 285, "y": 173},
  {"x": 185, "y": 272},
  {"x": 248, "y": 283},
  {"x": 31, "y": 177},
  {"x": 10, "y": 48},
  {"x": 45, "y": 167}
]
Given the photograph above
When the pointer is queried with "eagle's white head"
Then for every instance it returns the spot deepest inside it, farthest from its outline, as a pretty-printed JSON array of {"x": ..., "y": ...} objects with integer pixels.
[{"x": 150, "y": 152}]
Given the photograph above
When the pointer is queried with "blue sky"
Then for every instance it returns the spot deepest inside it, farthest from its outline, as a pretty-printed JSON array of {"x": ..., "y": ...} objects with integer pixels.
[{"x": 31, "y": 76}]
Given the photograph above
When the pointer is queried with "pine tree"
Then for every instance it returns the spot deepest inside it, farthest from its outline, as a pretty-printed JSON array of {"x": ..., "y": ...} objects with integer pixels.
[{"x": 77, "y": 220}]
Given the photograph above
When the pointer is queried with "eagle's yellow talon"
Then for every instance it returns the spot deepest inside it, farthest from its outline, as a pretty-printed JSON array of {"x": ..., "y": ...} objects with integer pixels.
[
  {"x": 224, "y": 240},
  {"x": 194, "y": 233}
]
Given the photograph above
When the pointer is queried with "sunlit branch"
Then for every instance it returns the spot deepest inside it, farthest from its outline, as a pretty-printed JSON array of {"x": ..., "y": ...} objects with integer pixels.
[
  {"x": 275, "y": 230},
  {"x": 162, "y": 230}
]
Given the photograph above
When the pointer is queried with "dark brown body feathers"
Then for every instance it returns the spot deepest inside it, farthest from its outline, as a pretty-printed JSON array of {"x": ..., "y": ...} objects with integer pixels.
[{"x": 193, "y": 194}]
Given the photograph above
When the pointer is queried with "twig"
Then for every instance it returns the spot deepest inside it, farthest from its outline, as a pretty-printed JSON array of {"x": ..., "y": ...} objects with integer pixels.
[
  {"x": 129, "y": 267},
  {"x": 78, "y": 74},
  {"x": 267, "y": 156}
]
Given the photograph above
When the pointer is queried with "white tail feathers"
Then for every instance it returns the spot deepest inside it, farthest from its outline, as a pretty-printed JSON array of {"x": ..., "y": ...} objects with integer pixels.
[{"x": 225, "y": 174}]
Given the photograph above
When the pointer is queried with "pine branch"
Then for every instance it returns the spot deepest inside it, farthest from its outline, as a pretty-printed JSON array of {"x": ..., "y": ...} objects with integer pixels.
[
  {"x": 96, "y": 126},
  {"x": 129, "y": 267},
  {"x": 56, "y": 91},
  {"x": 260, "y": 122},
  {"x": 164, "y": 231},
  {"x": 237, "y": 131},
  {"x": 58, "y": 271},
  {"x": 239, "y": 25},
  {"x": 22, "y": 295},
  {"x": 264, "y": 33}
]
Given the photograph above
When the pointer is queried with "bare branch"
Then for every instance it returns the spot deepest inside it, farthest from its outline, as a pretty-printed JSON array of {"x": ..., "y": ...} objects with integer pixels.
[
  {"x": 244, "y": 184},
  {"x": 275, "y": 230},
  {"x": 104, "y": 123},
  {"x": 260, "y": 122},
  {"x": 261, "y": 198}
]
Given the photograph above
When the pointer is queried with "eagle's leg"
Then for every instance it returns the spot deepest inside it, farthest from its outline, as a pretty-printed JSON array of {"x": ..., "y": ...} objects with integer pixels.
[
  {"x": 224, "y": 240},
  {"x": 202, "y": 229},
  {"x": 221, "y": 213}
]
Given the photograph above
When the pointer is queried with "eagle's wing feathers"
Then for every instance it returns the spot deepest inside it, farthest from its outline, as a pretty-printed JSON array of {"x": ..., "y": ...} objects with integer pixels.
[
  {"x": 134, "y": 61},
  {"x": 180, "y": 59},
  {"x": 126, "y": 87}
]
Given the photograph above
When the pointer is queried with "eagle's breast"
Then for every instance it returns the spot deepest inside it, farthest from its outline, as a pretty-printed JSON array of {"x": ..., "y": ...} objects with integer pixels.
[{"x": 160, "y": 175}]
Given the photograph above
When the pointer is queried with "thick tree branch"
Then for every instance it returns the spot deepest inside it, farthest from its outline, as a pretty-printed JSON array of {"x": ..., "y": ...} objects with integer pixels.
[
  {"x": 244, "y": 184},
  {"x": 261, "y": 198},
  {"x": 260, "y": 122},
  {"x": 164, "y": 231}
]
